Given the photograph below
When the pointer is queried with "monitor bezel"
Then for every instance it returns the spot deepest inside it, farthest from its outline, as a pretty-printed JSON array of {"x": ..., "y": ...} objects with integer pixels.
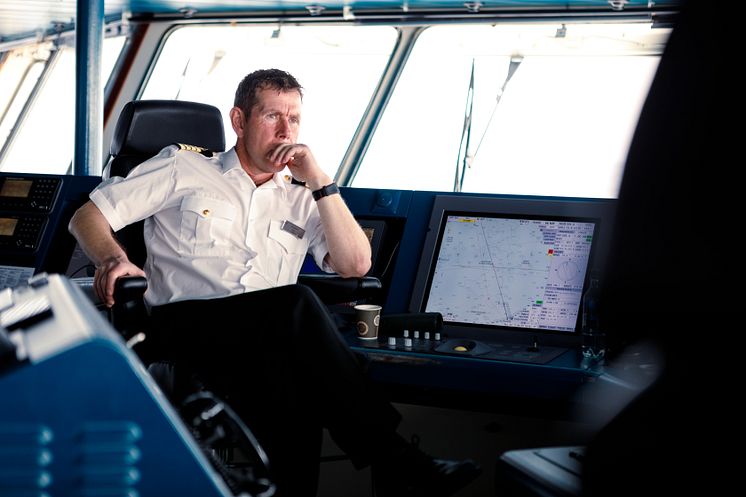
[{"x": 599, "y": 211}]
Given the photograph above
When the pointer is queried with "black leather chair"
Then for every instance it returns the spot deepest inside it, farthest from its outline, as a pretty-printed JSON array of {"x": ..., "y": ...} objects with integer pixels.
[{"x": 143, "y": 129}]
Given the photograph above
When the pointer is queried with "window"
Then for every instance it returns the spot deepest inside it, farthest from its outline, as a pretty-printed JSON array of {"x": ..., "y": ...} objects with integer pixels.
[
  {"x": 20, "y": 70},
  {"x": 44, "y": 136},
  {"x": 338, "y": 67},
  {"x": 562, "y": 125}
]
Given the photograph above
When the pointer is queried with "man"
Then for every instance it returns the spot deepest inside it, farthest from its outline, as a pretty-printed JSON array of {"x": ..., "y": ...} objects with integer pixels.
[{"x": 226, "y": 236}]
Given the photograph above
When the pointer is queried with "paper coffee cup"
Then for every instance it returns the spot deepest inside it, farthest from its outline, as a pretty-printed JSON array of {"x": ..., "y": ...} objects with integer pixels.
[{"x": 367, "y": 317}]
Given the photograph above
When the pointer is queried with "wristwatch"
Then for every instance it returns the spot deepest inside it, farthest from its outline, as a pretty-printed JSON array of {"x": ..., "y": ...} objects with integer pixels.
[{"x": 324, "y": 191}]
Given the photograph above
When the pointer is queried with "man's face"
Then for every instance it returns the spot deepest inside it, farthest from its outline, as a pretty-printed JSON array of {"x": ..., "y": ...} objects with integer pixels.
[{"x": 274, "y": 120}]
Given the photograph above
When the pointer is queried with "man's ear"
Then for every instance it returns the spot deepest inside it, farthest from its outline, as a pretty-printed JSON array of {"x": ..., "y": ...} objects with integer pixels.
[{"x": 237, "y": 121}]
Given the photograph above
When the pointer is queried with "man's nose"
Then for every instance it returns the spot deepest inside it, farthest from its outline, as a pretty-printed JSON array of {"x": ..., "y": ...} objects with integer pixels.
[{"x": 283, "y": 127}]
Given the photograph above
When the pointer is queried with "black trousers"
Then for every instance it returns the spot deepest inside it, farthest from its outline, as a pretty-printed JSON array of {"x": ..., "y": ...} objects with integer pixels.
[{"x": 277, "y": 358}]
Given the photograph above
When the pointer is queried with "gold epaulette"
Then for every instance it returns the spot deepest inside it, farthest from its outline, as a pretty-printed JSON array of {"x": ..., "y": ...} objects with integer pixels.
[
  {"x": 195, "y": 148},
  {"x": 293, "y": 181}
]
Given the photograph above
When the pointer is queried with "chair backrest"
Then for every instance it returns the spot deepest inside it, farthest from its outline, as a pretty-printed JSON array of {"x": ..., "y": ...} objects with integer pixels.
[
  {"x": 144, "y": 128},
  {"x": 677, "y": 204}
]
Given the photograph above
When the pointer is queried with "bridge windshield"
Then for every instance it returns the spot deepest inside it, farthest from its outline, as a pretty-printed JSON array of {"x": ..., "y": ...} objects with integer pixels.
[
  {"x": 540, "y": 109},
  {"x": 535, "y": 108}
]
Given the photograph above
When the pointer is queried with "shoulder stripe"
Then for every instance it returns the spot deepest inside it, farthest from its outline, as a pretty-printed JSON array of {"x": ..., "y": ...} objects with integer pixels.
[
  {"x": 293, "y": 181},
  {"x": 195, "y": 148}
]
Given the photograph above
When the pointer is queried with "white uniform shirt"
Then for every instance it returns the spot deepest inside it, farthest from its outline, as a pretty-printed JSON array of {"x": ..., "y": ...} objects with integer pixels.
[{"x": 209, "y": 230}]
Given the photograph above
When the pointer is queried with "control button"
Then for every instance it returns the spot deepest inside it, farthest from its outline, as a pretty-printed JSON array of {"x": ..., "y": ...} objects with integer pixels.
[
  {"x": 437, "y": 336},
  {"x": 405, "y": 334},
  {"x": 407, "y": 343},
  {"x": 392, "y": 341},
  {"x": 417, "y": 334},
  {"x": 427, "y": 335}
]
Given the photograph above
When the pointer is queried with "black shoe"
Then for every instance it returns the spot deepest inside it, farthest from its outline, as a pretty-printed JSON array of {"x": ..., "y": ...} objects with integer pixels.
[{"x": 412, "y": 473}]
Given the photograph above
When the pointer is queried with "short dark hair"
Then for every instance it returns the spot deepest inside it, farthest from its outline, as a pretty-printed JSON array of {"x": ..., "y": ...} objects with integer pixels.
[{"x": 274, "y": 79}]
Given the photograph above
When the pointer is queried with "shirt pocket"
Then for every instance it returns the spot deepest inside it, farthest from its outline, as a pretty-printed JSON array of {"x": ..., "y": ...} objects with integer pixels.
[
  {"x": 291, "y": 251},
  {"x": 206, "y": 226}
]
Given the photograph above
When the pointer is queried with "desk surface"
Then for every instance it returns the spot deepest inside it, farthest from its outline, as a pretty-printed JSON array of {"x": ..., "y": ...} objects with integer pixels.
[{"x": 421, "y": 374}]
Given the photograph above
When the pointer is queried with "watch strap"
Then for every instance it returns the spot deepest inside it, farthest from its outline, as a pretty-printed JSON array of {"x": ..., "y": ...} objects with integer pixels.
[{"x": 325, "y": 191}]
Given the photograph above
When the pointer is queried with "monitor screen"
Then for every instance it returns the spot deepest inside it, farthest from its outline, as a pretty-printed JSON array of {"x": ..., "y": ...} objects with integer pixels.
[
  {"x": 510, "y": 271},
  {"x": 16, "y": 187},
  {"x": 374, "y": 229},
  {"x": 493, "y": 264}
]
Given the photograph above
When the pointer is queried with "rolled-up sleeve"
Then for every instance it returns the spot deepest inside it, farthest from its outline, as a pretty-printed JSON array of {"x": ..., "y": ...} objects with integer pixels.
[{"x": 142, "y": 193}]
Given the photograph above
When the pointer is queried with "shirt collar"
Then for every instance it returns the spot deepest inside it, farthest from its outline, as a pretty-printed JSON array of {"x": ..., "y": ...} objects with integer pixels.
[
  {"x": 230, "y": 162},
  {"x": 279, "y": 182}
]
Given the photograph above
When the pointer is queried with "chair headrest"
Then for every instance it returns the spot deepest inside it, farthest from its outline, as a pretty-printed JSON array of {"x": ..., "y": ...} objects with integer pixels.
[{"x": 146, "y": 126}]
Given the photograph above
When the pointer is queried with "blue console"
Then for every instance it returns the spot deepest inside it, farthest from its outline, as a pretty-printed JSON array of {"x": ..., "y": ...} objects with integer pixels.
[{"x": 80, "y": 414}]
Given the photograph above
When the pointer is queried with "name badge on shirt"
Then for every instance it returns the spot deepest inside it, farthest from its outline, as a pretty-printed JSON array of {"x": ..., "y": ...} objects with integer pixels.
[{"x": 294, "y": 230}]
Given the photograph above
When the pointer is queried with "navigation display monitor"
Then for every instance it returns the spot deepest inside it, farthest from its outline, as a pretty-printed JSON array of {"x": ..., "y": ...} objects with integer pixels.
[
  {"x": 510, "y": 271},
  {"x": 508, "y": 265}
]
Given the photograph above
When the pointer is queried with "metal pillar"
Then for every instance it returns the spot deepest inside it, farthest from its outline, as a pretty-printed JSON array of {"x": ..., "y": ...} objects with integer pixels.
[{"x": 89, "y": 115}]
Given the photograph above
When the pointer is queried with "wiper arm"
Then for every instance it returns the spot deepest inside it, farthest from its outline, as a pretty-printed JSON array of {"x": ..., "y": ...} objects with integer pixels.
[
  {"x": 515, "y": 62},
  {"x": 461, "y": 163}
]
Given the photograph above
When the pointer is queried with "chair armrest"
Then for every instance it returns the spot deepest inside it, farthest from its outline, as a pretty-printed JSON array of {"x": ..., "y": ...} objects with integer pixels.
[
  {"x": 329, "y": 287},
  {"x": 128, "y": 314},
  {"x": 128, "y": 288},
  {"x": 334, "y": 289}
]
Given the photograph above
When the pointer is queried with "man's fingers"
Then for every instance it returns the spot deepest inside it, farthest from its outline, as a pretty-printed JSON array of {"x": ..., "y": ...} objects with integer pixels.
[
  {"x": 105, "y": 280},
  {"x": 286, "y": 153},
  {"x": 101, "y": 286}
]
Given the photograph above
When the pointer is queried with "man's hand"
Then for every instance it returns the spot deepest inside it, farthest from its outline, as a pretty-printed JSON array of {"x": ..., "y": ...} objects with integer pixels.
[
  {"x": 302, "y": 164},
  {"x": 89, "y": 226},
  {"x": 349, "y": 248},
  {"x": 107, "y": 274}
]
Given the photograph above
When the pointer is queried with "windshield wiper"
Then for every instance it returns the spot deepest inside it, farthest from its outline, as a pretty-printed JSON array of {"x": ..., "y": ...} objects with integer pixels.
[{"x": 463, "y": 163}]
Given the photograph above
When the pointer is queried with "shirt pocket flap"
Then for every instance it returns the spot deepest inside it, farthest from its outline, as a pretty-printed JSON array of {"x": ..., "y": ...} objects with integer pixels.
[
  {"x": 289, "y": 241},
  {"x": 209, "y": 207}
]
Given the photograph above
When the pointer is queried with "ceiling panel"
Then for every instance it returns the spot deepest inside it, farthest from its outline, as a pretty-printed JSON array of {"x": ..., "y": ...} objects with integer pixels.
[{"x": 24, "y": 18}]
